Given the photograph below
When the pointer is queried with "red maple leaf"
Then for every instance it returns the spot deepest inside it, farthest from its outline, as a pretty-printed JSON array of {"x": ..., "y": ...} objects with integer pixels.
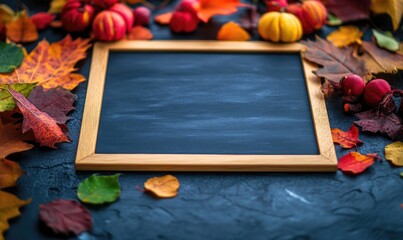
[
  {"x": 355, "y": 162},
  {"x": 347, "y": 139}
]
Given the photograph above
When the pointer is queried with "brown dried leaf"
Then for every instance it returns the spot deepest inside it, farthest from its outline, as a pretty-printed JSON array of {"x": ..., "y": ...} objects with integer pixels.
[
  {"x": 379, "y": 60},
  {"x": 9, "y": 173}
]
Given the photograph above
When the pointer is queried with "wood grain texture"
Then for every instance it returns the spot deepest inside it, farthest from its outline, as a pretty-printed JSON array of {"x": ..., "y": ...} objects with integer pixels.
[{"x": 87, "y": 159}]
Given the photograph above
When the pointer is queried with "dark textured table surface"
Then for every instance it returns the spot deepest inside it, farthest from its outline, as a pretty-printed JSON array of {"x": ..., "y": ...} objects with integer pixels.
[{"x": 218, "y": 205}]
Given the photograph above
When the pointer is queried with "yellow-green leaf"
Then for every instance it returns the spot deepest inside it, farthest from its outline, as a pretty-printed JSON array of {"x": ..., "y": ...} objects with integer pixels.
[
  {"x": 386, "y": 41},
  {"x": 394, "y": 153},
  {"x": 99, "y": 189},
  {"x": 7, "y": 102}
]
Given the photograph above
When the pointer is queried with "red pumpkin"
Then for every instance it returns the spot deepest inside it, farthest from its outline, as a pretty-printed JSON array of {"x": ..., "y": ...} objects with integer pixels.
[
  {"x": 312, "y": 14},
  {"x": 76, "y": 16}
]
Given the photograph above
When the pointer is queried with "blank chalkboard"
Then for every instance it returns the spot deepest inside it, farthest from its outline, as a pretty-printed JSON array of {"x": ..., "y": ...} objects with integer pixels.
[{"x": 203, "y": 106}]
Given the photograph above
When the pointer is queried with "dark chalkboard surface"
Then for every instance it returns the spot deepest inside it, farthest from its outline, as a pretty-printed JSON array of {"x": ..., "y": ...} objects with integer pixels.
[{"x": 205, "y": 103}]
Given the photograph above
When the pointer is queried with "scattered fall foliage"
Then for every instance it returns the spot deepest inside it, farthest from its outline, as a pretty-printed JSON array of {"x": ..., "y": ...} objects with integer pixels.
[
  {"x": 380, "y": 60},
  {"x": 22, "y": 30},
  {"x": 99, "y": 189},
  {"x": 12, "y": 140},
  {"x": 9, "y": 173},
  {"x": 347, "y": 139},
  {"x": 66, "y": 216},
  {"x": 345, "y": 36},
  {"x": 210, "y": 8},
  {"x": 139, "y": 33},
  {"x": 42, "y": 19},
  {"x": 163, "y": 18},
  {"x": 355, "y": 162},
  {"x": 163, "y": 187},
  {"x": 347, "y": 10}
]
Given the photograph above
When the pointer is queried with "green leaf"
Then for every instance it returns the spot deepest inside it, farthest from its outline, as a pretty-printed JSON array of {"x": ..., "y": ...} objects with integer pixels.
[
  {"x": 11, "y": 57},
  {"x": 333, "y": 20},
  {"x": 386, "y": 41},
  {"x": 401, "y": 174},
  {"x": 99, "y": 189},
  {"x": 7, "y": 102}
]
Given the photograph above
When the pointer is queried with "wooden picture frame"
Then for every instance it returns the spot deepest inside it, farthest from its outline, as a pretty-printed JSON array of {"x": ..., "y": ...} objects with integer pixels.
[{"x": 88, "y": 159}]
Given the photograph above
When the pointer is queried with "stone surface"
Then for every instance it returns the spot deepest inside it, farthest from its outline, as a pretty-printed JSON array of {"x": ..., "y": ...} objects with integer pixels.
[{"x": 218, "y": 205}]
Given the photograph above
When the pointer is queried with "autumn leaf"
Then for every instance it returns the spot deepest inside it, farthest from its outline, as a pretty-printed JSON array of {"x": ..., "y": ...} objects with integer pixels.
[
  {"x": 6, "y": 13},
  {"x": 9, "y": 208},
  {"x": 355, "y": 162},
  {"x": 386, "y": 40},
  {"x": 333, "y": 20},
  {"x": 345, "y": 36},
  {"x": 232, "y": 32},
  {"x": 347, "y": 10},
  {"x": 66, "y": 216},
  {"x": 50, "y": 65},
  {"x": 379, "y": 121},
  {"x": 99, "y": 189},
  {"x": 12, "y": 140},
  {"x": 210, "y": 8},
  {"x": 46, "y": 131},
  {"x": 164, "y": 187},
  {"x": 11, "y": 57},
  {"x": 347, "y": 139},
  {"x": 394, "y": 153},
  {"x": 42, "y": 19},
  {"x": 139, "y": 33},
  {"x": 56, "y": 6},
  {"x": 379, "y": 60},
  {"x": 394, "y": 8},
  {"x": 336, "y": 62},
  {"x": 164, "y": 18},
  {"x": 7, "y": 102},
  {"x": 21, "y": 30},
  {"x": 133, "y": 1},
  {"x": 9, "y": 173},
  {"x": 56, "y": 102}
]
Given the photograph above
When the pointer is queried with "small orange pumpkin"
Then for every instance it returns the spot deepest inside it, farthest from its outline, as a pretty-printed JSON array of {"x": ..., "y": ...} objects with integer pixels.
[
  {"x": 311, "y": 13},
  {"x": 280, "y": 27}
]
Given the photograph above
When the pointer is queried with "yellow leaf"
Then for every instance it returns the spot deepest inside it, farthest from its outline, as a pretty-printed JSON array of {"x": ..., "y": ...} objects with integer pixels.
[
  {"x": 56, "y": 6},
  {"x": 50, "y": 65},
  {"x": 164, "y": 187},
  {"x": 394, "y": 8},
  {"x": 9, "y": 173},
  {"x": 6, "y": 13},
  {"x": 232, "y": 32},
  {"x": 345, "y": 36},
  {"x": 394, "y": 153},
  {"x": 9, "y": 208}
]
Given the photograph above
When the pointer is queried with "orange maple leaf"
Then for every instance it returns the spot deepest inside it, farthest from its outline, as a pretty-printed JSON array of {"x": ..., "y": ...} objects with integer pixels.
[
  {"x": 50, "y": 65},
  {"x": 355, "y": 162},
  {"x": 12, "y": 139},
  {"x": 209, "y": 8},
  {"x": 232, "y": 32},
  {"x": 139, "y": 33},
  {"x": 347, "y": 139},
  {"x": 22, "y": 29}
]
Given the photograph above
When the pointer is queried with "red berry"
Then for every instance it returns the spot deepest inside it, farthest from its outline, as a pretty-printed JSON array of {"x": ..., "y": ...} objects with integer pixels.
[
  {"x": 141, "y": 16},
  {"x": 375, "y": 91},
  {"x": 353, "y": 85}
]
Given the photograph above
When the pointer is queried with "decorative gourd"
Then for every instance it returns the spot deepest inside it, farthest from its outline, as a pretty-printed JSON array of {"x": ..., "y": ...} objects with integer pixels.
[
  {"x": 76, "y": 16},
  {"x": 280, "y": 27},
  {"x": 109, "y": 26},
  {"x": 311, "y": 13}
]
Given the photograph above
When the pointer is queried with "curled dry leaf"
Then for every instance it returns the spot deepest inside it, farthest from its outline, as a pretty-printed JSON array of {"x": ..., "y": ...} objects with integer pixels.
[
  {"x": 45, "y": 128},
  {"x": 394, "y": 8},
  {"x": 139, "y": 33},
  {"x": 347, "y": 139},
  {"x": 99, "y": 189},
  {"x": 345, "y": 36},
  {"x": 164, "y": 187},
  {"x": 9, "y": 208},
  {"x": 9, "y": 173},
  {"x": 12, "y": 140},
  {"x": 21, "y": 30},
  {"x": 355, "y": 162},
  {"x": 232, "y": 32},
  {"x": 66, "y": 216},
  {"x": 51, "y": 65},
  {"x": 164, "y": 18},
  {"x": 394, "y": 153},
  {"x": 336, "y": 62}
]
